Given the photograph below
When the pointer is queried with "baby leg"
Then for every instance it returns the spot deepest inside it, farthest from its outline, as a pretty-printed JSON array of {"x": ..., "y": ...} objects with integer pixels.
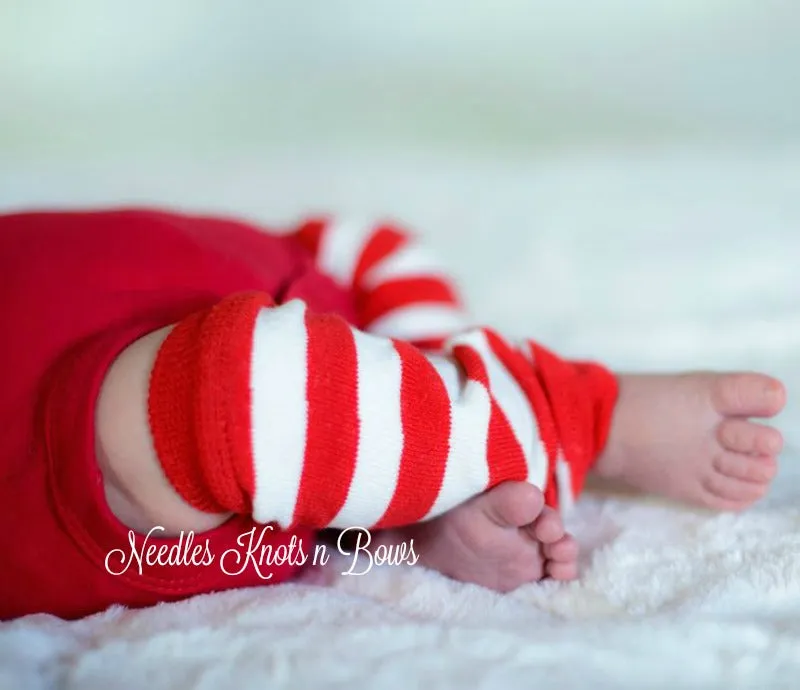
[{"x": 299, "y": 419}]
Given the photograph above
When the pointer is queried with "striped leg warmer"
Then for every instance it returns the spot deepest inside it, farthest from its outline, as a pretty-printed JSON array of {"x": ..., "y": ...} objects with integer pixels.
[
  {"x": 302, "y": 420},
  {"x": 401, "y": 290}
]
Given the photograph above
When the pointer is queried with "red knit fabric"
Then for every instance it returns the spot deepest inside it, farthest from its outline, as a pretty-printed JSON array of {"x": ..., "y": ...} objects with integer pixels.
[
  {"x": 385, "y": 241},
  {"x": 309, "y": 234},
  {"x": 332, "y": 429},
  {"x": 395, "y": 294},
  {"x": 582, "y": 397},
  {"x": 426, "y": 423},
  {"x": 200, "y": 401}
]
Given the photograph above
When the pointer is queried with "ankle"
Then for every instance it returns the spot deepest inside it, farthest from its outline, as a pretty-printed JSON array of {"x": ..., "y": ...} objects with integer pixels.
[
  {"x": 613, "y": 457},
  {"x": 610, "y": 464}
]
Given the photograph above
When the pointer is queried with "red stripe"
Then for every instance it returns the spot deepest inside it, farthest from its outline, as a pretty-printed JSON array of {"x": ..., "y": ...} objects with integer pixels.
[
  {"x": 225, "y": 364},
  {"x": 602, "y": 386},
  {"x": 403, "y": 292},
  {"x": 524, "y": 373},
  {"x": 309, "y": 234},
  {"x": 332, "y": 426},
  {"x": 384, "y": 241},
  {"x": 429, "y": 344},
  {"x": 504, "y": 454},
  {"x": 171, "y": 398},
  {"x": 582, "y": 398},
  {"x": 425, "y": 414},
  {"x": 199, "y": 405}
]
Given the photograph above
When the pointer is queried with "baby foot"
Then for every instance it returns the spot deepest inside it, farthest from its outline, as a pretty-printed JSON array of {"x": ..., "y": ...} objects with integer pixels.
[
  {"x": 688, "y": 437},
  {"x": 500, "y": 539}
]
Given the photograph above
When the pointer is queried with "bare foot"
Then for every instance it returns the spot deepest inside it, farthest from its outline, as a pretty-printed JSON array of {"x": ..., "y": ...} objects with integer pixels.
[
  {"x": 689, "y": 437},
  {"x": 501, "y": 539}
]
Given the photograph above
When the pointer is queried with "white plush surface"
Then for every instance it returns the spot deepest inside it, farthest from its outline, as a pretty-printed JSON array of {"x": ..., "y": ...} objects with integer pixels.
[{"x": 646, "y": 261}]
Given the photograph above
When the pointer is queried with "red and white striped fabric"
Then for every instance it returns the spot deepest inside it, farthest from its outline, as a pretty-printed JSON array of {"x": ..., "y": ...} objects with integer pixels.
[
  {"x": 302, "y": 420},
  {"x": 401, "y": 290}
]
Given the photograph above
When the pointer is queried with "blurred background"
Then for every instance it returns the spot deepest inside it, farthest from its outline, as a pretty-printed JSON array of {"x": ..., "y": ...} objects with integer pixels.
[
  {"x": 620, "y": 179},
  {"x": 207, "y": 77}
]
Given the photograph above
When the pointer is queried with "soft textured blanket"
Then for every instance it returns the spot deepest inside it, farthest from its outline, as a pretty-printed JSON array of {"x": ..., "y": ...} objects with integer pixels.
[{"x": 657, "y": 262}]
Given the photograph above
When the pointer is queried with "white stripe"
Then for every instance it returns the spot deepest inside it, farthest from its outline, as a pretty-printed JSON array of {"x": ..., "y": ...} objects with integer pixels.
[
  {"x": 380, "y": 442},
  {"x": 419, "y": 322},
  {"x": 451, "y": 374},
  {"x": 279, "y": 410},
  {"x": 566, "y": 494},
  {"x": 467, "y": 471},
  {"x": 340, "y": 247},
  {"x": 514, "y": 403},
  {"x": 410, "y": 260}
]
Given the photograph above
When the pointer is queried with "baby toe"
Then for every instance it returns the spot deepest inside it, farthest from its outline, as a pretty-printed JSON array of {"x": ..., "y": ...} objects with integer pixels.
[
  {"x": 512, "y": 504},
  {"x": 744, "y": 436},
  {"x": 728, "y": 493},
  {"x": 748, "y": 395},
  {"x": 548, "y": 528},
  {"x": 532, "y": 565},
  {"x": 749, "y": 468},
  {"x": 561, "y": 571},
  {"x": 564, "y": 550}
]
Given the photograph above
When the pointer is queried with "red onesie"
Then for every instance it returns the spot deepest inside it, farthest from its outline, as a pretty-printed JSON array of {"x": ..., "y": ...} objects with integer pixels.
[{"x": 77, "y": 288}]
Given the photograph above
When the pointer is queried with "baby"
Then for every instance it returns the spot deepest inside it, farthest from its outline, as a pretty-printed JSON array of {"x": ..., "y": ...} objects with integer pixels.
[{"x": 175, "y": 385}]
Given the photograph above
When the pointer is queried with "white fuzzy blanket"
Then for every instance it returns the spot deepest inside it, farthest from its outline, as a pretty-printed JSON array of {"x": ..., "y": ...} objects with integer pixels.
[{"x": 661, "y": 262}]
